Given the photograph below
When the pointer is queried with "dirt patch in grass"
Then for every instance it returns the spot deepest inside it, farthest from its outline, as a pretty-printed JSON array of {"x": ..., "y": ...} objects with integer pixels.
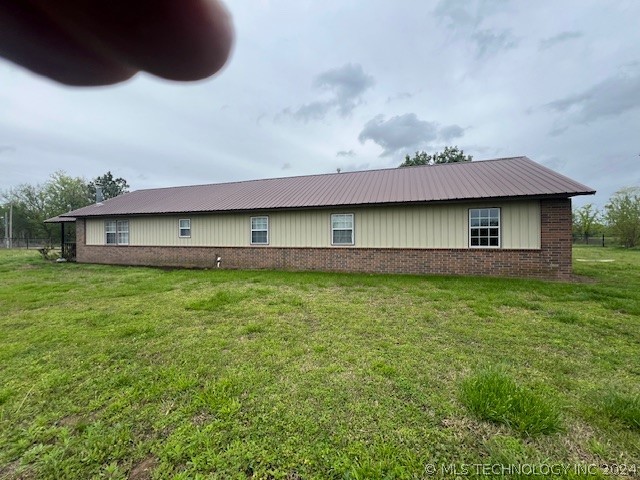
[
  {"x": 75, "y": 421},
  {"x": 12, "y": 471},
  {"x": 144, "y": 469},
  {"x": 202, "y": 418},
  {"x": 9, "y": 470}
]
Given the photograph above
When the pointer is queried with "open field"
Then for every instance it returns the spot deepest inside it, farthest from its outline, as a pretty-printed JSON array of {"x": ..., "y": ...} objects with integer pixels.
[{"x": 116, "y": 372}]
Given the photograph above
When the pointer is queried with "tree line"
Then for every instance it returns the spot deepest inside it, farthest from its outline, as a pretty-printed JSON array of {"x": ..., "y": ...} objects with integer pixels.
[
  {"x": 61, "y": 193},
  {"x": 620, "y": 218}
]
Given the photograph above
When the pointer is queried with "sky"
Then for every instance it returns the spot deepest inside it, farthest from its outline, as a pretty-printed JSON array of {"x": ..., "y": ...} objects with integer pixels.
[{"x": 312, "y": 87}]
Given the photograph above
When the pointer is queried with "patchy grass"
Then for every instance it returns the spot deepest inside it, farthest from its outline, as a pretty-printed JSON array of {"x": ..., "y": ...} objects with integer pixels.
[{"x": 116, "y": 372}]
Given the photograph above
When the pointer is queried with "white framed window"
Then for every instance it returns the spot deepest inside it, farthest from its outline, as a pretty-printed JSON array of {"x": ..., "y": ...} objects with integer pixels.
[
  {"x": 484, "y": 227},
  {"x": 342, "y": 229},
  {"x": 110, "y": 235},
  {"x": 260, "y": 230},
  {"x": 184, "y": 228},
  {"x": 116, "y": 232}
]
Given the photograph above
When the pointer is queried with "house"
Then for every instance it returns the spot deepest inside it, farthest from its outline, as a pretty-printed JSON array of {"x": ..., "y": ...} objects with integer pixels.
[{"x": 506, "y": 217}]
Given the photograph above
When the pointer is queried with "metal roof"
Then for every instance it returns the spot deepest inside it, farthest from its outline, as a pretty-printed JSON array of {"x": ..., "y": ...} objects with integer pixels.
[
  {"x": 490, "y": 179},
  {"x": 60, "y": 219}
]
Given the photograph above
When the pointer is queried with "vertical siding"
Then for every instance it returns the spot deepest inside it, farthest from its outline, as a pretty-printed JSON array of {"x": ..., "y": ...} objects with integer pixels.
[
  {"x": 94, "y": 232},
  {"x": 299, "y": 229},
  {"x": 434, "y": 226},
  {"x": 521, "y": 225}
]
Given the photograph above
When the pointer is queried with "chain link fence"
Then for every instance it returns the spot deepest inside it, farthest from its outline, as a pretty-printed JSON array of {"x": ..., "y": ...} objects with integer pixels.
[
  {"x": 28, "y": 243},
  {"x": 596, "y": 240}
]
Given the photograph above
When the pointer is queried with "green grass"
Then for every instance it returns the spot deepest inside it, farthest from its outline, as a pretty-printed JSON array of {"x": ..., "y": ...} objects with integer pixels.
[
  {"x": 117, "y": 372},
  {"x": 622, "y": 408},
  {"x": 491, "y": 394}
]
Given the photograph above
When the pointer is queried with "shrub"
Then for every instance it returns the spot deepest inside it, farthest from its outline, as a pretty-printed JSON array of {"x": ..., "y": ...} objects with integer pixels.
[{"x": 492, "y": 395}]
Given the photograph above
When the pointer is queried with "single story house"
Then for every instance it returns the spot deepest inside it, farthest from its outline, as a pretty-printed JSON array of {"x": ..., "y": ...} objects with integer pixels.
[{"x": 506, "y": 217}]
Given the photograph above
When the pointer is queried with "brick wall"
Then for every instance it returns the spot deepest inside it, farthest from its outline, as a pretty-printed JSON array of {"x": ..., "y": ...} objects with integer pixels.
[{"x": 552, "y": 260}]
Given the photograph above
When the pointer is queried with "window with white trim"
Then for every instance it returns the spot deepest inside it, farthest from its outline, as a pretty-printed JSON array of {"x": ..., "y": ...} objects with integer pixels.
[
  {"x": 184, "y": 228},
  {"x": 484, "y": 227},
  {"x": 116, "y": 232},
  {"x": 342, "y": 229},
  {"x": 259, "y": 230},
  {"x": 111, "y": 237}
]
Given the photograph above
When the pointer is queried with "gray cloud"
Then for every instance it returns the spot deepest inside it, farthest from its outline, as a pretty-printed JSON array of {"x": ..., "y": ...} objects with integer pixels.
[
  {"x": 312, "y": 111},
  {"x": 558, "y": 130},
  {"x": 466, "y": 18},
  {"x": 346, "y": 153},
  {"x": 405, "y": 132},
  {"x": 345, "y": 85},
  {"x": 557, "y": 39},
  {"x": 465, "y": 13},
  {"x": 450, "y": 132},
  {"x": 399, "y": 96},
  {"x": 490, "y": 42},
  {"x": 399, "y": 132},
  {"x": 611, "y": 97},
  {"x": 7, "y": 148}
]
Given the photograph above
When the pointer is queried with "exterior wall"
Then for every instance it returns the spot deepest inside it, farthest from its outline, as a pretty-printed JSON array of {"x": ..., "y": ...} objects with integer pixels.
[
  {"x": 551, "y": 260},
  {"x": 434, "y": 226}
]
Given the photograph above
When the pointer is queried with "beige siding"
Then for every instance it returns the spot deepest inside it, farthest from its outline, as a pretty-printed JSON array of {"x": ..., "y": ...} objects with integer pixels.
[
  {"x": 521, "y": 225},
  {"x": 435, "y": 226},
  {"x": 95, "y": 232}
]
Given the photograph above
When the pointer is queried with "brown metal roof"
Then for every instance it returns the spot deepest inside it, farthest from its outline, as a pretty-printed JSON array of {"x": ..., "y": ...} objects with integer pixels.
[
  {"x": 500, "y": 178},
  {"x": 60, "y": 219}
]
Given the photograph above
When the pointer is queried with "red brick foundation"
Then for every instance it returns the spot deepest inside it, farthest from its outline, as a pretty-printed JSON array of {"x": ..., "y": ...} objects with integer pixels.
[{"x": 552, "y": 260}]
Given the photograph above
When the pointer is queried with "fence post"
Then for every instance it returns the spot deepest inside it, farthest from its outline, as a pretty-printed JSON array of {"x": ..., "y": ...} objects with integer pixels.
[
  {"x": 603, "y": 239},
  {"x": 27, "y": 243}
]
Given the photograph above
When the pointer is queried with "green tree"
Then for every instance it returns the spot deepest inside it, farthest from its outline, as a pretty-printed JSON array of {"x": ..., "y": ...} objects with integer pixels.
[
  {"x": 33, "y": 204},
  {"x": 111, "y": 187},
  {"x": 448, "y": 155},
  {"x": 623, "y": 215},
  {"x": 586, "y": 220}
]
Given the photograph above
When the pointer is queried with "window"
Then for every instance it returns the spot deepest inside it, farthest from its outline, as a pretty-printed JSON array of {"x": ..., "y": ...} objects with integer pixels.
[
  {"x": 259, "y": 230},
  {"x": 116, "y": 232},
  {"x": 184, "y": 227},
  {"x": 484, "y": 227},
  {"x": 342, "y": 229},
  {"x": 110, "y": 232}
]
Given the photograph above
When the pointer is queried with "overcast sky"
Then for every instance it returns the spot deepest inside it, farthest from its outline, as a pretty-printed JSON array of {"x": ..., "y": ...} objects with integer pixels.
[{"x": 355, "y": 84}]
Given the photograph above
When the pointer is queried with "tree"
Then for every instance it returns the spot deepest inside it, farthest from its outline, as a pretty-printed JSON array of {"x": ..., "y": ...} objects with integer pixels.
[
  {"x": 111, "y": 187},
  {"x": 33, "y": 204},
  {"x": 449, "y": 155},
  {"x": 623, "y": 215},
  {"x": 585, "y": 220}
]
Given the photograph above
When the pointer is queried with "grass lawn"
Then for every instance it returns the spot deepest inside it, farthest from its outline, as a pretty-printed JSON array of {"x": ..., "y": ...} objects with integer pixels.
[{"x": 116, "y": 372}]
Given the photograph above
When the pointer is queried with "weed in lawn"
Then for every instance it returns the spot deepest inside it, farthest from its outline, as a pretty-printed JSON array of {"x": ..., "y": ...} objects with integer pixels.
[
  {"x": 491, "y": 394},
  {"x": 623, "y": 408},
  {"x": 219, "y": 299},
  {"x": 565, "y": 316}
]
